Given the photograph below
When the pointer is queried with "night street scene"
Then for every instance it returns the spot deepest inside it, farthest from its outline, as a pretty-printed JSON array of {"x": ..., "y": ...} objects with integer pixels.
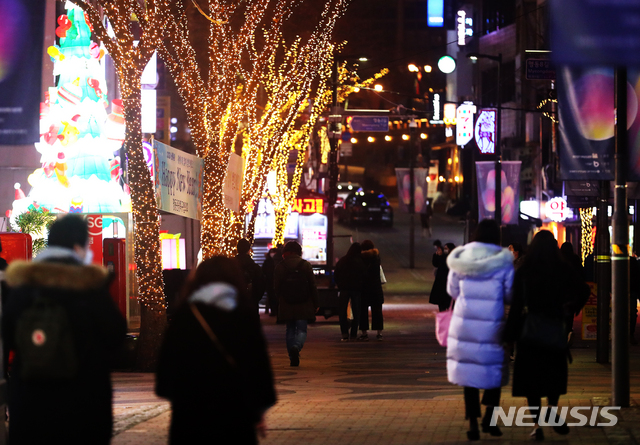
[{"x": 319, "y": 221}]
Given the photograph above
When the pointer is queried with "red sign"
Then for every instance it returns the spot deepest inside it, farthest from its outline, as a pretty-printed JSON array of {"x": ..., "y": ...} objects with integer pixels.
[
  {"x": 308, "y": 205},
  {"x": 95, "y": 237}
]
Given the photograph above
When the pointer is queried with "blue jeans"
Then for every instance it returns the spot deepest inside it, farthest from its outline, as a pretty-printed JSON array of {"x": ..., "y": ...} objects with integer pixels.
[{"x": 296, "y": 334}]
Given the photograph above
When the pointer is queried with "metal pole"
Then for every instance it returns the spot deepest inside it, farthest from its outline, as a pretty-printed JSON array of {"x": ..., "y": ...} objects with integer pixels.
[
  {"x": 333, "y": 164},
  {"x": 412, "y": 203},
  {"x": 620, "y": 257},
  {"x": 498, "y": 197},
  {"x": 603, "y": 274}
]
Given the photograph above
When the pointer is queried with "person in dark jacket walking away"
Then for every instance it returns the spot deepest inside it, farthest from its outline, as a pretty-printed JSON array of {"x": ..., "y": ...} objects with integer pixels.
[
  {"x": 252, "y": 272},
  {"x": 297, "y": 294},
  {"x": 548, "y": 286},
  {"x": 272, "y": 259},
  {"x": 214, "y": 366},
  {"x": 349, "y": 276},
  {"x": 480, "y": 278},
  {"x": 439, "y": 293},
  {"x": 74, "y": 408},
  {"x": 372, "y": 295}
]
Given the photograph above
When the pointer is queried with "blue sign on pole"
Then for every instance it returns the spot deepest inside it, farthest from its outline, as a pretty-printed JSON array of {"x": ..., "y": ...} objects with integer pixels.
[{"x": 370, "y": 123}]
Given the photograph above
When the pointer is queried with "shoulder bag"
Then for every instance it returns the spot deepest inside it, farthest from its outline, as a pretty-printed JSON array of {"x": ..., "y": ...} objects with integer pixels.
[{"x": 443, "y": 320}]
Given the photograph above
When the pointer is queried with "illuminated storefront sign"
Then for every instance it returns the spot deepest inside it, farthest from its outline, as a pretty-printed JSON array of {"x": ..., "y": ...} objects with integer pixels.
[
  {"x": 464, "y": 27},
  {"x": 556, "y": 209},
  {"x": 464, "y": 123},
  {"x": 485, "y": 131},
  {"x": 308, "y": 205}
]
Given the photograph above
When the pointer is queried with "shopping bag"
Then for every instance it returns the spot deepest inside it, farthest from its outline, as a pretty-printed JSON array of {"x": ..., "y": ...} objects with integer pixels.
[
  {"x": 443, "y": 320},
  {"x": 383, "y": 279}
]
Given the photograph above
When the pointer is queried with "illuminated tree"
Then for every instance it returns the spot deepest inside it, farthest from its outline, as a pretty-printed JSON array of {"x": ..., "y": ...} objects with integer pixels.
[{"x": 130, "y": 59}]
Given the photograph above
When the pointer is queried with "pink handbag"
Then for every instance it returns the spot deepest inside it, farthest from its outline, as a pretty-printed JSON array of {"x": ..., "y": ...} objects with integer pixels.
[{"x": 443, "y": 319}]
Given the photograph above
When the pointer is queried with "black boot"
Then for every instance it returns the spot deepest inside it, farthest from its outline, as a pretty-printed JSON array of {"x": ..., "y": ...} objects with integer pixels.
[
  {"x": 486, "y": 423},
  {"x": 473, "y": 433}
]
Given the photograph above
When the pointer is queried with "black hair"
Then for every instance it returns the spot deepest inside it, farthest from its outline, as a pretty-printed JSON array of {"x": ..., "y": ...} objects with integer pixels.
[
  {"x": 437, "y": 243},
  {"x": 517, "y": 247},
  {"x": 243, "y": 246},
  {"x": 450, "y": 246},
  {"x": 543, "y": 251},
  {"x": 367, "y": 245},
  {"x": 488, "y": 231},
  {"x": 69, "y": 231},
  {"x": 354, "y": 250},
  {"x": 293, "y": 247}
]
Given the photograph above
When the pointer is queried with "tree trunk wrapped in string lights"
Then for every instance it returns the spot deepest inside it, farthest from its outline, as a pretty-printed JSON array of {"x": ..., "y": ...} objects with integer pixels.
[{"x": 130, "y": 60}]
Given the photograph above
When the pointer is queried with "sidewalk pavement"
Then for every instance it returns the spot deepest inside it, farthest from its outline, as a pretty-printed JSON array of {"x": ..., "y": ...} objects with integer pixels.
[{"x": 389, "y": 392}]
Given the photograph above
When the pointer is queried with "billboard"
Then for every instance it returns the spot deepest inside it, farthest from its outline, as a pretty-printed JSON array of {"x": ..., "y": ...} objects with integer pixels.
[{"x": 510, "y": 199}]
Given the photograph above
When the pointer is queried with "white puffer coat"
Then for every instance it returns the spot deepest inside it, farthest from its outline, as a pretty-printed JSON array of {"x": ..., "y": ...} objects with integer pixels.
[{"x": 480, "y": 280}]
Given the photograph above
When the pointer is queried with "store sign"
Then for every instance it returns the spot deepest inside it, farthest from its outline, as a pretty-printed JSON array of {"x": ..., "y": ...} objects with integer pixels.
[
  {"x": 308, "y": 205},
  {"x": 464, "y": 27},
  {"x": 449, "y": 111},
  {"x": 94, "y": 223},
  {"x": 464, "y": 123},
  {"x": 437, "y": 115},
  {"x": 485, "y": 131},
  {"x": 178, "y": 181},
  {"x": 557, "y": 210}
]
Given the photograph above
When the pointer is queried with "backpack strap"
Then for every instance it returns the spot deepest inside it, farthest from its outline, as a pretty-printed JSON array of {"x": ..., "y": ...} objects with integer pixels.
[{"x": 212, "y": 335}]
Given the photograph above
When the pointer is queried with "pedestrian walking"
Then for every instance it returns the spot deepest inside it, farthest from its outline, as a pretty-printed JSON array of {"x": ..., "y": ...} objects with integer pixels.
[
  {"x": 295, "y": 287},
  {"x": 272, "y": 259},
  {"x": 349, "y": 276},
  {"x": 518, "y": 254},
  {"x": 439, "y": 293},
  {"x": 63, "y": 328},
  {"x": 214, "y": 366},
  {"x": 252, "y": 273},
  {"x": 546, "y": 289},
  {"x": 480, "y": 279},
  {"x": 372, "y": 294}
]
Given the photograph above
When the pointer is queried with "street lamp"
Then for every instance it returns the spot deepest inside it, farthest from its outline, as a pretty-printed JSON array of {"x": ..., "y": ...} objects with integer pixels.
[{"x": 498, "y": 150}]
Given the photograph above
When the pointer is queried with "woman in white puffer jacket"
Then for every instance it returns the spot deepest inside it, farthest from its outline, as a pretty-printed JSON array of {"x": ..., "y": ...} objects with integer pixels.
[{"x": 480, "y": 280}]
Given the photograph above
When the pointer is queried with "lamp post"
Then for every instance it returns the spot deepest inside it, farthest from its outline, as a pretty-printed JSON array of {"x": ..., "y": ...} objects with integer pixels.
[
  {"x": 498, "y": 149},
  {"x": 335, "y": 125}
]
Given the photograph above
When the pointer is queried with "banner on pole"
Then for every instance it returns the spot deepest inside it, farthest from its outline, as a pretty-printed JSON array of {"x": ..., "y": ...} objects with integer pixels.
[
  {"x": 233, "y": 182},
  {"x": 419, "y": 188},
  {"x": 177, "y": 181},
  {"x": 510, "y": 182},
  {"x": 21, "y": 41}
]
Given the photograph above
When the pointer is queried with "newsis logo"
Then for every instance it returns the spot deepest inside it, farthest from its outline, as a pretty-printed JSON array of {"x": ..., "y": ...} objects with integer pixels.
[{"x": 581, "y": 414}]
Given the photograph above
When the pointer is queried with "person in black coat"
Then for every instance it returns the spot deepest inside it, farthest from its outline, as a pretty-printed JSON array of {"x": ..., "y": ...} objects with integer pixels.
[
  {"x": 349, "y": 276},
  {"x": 439, "y": 293},
  {"x": 372, "y": 295},
  {"x": 548, "y": 286},
  {"x": 272, "y": 259},
  {"x": 253, "y": 276},
  {"x": 214, "y": 366},
  {"x": 41, "y": 410}
]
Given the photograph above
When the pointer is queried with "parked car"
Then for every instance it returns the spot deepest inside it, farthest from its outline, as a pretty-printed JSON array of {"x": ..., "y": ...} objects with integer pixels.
[
  {"x": 367, "y": 206},
  {"x": 344, "y": 189}
]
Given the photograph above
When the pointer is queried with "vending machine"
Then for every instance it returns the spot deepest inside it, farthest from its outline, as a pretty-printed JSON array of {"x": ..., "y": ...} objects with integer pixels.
[{"x": 115, "y": 259}]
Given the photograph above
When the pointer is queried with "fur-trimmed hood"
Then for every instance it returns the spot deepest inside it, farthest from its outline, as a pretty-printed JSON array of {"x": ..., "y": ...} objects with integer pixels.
[
  {"x": 479, "y": 259},
  {"x": 56, "y": 275},
  {"x": 370, "y": 253}
]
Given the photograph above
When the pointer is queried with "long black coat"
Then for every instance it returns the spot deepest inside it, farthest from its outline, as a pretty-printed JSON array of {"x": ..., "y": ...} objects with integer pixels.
[
  {"x": 372, "y": 288},
  {"x": 349, "y": 273},
  {"x": 439, "y": 293},
  {"x": 298, "y": 311},
  {"x": 555, "y": 290},
  {"x": 210, "y": 398},
  {"x": 253, "y": 275},
  {"x": 41, "y": 412}
]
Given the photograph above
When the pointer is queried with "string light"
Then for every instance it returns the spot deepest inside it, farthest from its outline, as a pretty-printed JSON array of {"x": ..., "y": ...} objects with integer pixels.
[
  {"x": 586, "y": 223},
  {"x": 546, "y": 113}
]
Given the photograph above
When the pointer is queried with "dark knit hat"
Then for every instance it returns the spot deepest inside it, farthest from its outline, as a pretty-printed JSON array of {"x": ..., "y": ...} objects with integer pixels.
[{"x": 243, "y": 246}]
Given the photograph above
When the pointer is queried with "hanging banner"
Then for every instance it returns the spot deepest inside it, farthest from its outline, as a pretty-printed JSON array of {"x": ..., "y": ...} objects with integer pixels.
[
  {"x": 485, "y": 130},
  {"x": 177, "y": 181},
  {"x": 419, "y": 191},
  {"x": 587, "y": 124},
  {"x": 232, "y": 187},
  {"x": 21, "y": 41},
  {"x": 510, "y": 182}
]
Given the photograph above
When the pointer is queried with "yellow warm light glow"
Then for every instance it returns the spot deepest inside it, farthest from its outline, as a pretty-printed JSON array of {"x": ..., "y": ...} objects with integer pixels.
[
  {"x": 428, "y": 179},
  {"x": 354, "y": 141},
  {"x": 457, "y": 178},
  {"x": 378, "y": 87},
  {"x": 388, "y": 138},
  {"x": 356, "y": 90},
  {"x": 424, "y": 135},
  {"x": 371, "y": 139},
  {"x": 449, "y": 161},
  {"x": 405, "y": 137},
  {"x": 427, "y": 68},
  {"x": 413, "y": 68},
  {"x": 441, "y": 178},
  {"x": 457, "y": 159}
]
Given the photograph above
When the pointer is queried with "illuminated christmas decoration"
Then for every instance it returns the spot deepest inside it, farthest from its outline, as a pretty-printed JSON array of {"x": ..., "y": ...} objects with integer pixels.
[
  {"x": 76, "y": 155},
  {"x": 586, "y": 222}
]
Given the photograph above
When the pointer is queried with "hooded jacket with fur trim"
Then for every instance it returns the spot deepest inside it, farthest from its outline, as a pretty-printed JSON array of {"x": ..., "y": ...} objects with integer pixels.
[
  {"x": 480, "y": 280},
  {"x": 98, "y": 330}
]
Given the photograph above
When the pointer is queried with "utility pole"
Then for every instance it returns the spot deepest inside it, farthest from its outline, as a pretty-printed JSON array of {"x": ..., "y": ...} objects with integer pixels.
[
  {"x": 335, "y": 124},
  {"x": 412, "y": 186},
  {"x": 620, "y": 257},
  {"x": 603, "y": 274}
]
